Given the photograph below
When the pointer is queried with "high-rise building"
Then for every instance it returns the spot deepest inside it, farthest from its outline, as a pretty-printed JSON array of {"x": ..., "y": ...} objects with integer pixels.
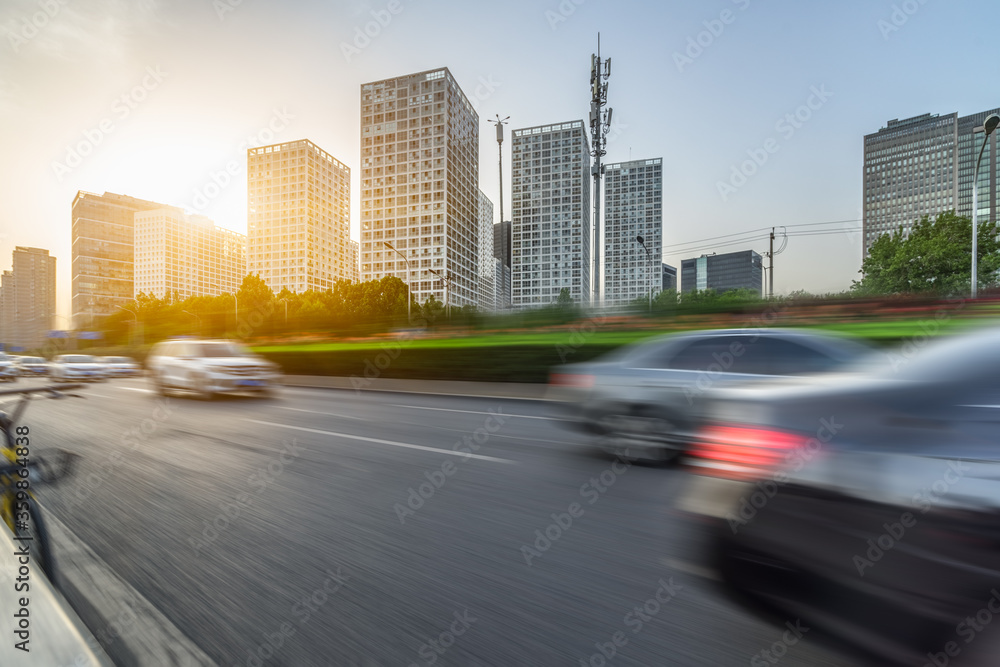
[
  {"x": 923, "y": 166},
  {"x": 550, "y": 221},
  {"x": 501, "y": 285},
  {"x": 420, "y": 185},
  {"x": 28, "y": 298},
  {"x": 501, "y": 241},
  {"x": 502, "y": 253},
  {"x": 487, "y": 271},
  {"x": 103, "y": 253},
  {"x": 633, "y": 207},
  {"x": 355, "y": 249},
  {"x": 732, "y": 270},
  {"x": 186, "y": 255},
  {"x": 669, "y": 278},
  {"x": 298, "y": 216}
]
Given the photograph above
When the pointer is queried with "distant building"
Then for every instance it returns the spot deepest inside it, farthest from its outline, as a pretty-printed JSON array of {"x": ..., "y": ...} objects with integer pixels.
[
  {"x": 669, "y": 278},
  {"x": 103, "y": 254},
  {"x": 501, "y": 285},
  {"x": 923, "y": 166},
  {"x": 550, "y": 221},
  {"x": 355, "y": 268},
  {"x": 633, "y": 207},
  {"x": 501, "y": 241},
  {"x": 298, "y": 216},
  {"x": 420, "y": 185},
  {"x": 733, "y": 270},
  {"x": 486, "y": 268},
  {"x": 28, "y": 299},
  {"x": 186, "y": 255}
]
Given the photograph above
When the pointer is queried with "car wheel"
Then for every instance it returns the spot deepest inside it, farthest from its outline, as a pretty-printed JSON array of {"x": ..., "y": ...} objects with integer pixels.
[{"x": 204, "y": 393}]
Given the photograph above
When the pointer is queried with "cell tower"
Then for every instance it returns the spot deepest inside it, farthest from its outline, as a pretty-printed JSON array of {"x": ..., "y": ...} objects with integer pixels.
[{"x": 600, "y": 123}]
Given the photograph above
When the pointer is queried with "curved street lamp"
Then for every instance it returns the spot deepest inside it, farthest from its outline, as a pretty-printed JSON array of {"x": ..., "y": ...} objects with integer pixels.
[
  {"x": 989, "y": 125},
  {"x": 409, "y": 298},
  {"x": 135, "y": 316},
  {"x": 447, "y": 289},
  {"x": 197, "y": 318}
]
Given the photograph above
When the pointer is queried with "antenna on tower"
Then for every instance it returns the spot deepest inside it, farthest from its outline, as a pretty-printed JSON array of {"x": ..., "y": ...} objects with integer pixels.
[{"x": 600, "y": 124}]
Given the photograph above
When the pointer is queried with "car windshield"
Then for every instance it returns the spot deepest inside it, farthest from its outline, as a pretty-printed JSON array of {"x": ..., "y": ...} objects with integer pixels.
[
  {"x": 31, "y": 360},
  {"x": 78, "y": 359},
  {"x": 220, "y": 350},
  {"x": 118, "y": 360}
]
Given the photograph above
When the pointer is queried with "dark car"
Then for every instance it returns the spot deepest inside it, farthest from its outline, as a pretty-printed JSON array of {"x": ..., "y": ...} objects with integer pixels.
[
  {"x": 644, "y": 397},
  {"x": 866, "y": 506}
]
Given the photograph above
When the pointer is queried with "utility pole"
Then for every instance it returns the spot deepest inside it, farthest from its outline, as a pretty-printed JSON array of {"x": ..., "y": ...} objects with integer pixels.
[
  {"x": 770, "y": 271},
  {"x": 600, "y": 123}
]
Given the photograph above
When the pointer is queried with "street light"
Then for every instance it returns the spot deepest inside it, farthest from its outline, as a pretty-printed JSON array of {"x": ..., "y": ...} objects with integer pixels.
[
  {"x": 236, "y": 303},
  {"x": 447, "y": 289},
  {"x": 388, "y": 245},
  {"x": 135, "y": 316},
  {"x": 197, "y": 318},
  {"x": 989, "y": 125},
  {"x": 649, "y": 256}
]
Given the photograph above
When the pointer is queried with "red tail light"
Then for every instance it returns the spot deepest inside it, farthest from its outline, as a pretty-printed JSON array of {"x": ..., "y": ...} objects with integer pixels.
[
  {"x": 572, "y": 380},
  {"x": 742, "y": 452}
]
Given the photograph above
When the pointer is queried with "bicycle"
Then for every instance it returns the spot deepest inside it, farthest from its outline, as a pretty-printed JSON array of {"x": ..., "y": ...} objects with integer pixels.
[{"x": 19, "y": 470}]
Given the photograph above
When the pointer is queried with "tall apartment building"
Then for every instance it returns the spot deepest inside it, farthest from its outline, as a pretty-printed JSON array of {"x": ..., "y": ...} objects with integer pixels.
[
  {"x": 182, "y": 255},
  {"x": 355, "y": 249},
  {"x": 742, "y": 269},
  {"x": 923, "y": 166},
  {"x": 298, "y": 216},
  {"x": 633, "y": 207},
  {"x": 28, "y": 298},
  {"x": 420, "y": 185},
  {"x": 486, "y": 270},
  {"x": 502, "y": 253},
  {"x": 103, "y": 253},
  {"x": 550, "y": 222}
]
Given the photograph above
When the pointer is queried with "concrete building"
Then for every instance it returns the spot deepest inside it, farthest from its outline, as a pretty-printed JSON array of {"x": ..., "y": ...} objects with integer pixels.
[
  {"x": 487, "y": 269},
  {"x": 923, "y": 166},
  {"x": 420, "y": 185},
  {"x": 182, "y": 255},
  {"x": 502, "y": 253},
  {"x": 633, "y": 207},
  {"x": 732, "y": 270},
  {"x": 669, "y": 278},
  {"x": 501, "y": 285},
  {"x": 28, "y": 299},
  {"x": 355, "y": 249},
  {"x": 103, "y": 254},
  {"x": 550, "y": 221},
  {"x": 298, "y": 216}
]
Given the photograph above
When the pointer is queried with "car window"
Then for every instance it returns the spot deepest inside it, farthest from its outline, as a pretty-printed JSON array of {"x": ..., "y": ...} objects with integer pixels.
[
  {"x": 768, "y": 355},
  {"x": 221, "y": 349},
  {"x": 713, "y": 354}
]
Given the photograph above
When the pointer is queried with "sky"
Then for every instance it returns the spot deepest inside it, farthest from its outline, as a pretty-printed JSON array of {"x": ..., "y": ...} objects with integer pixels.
[{"x": 159, "y": 100}]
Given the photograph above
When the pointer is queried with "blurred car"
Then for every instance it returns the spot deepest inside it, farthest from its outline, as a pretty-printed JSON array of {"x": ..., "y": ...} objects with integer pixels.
[
  {"x": 644, "y": 397},
  {"x": 8, "y": 368},
  {"x": 31, "y": 366},
  {"x": 209, "y": 367},
  {"x": 118, "y": 367},
  {"x": 77, "y": 367},
  {"x": 866, "y": 506}
]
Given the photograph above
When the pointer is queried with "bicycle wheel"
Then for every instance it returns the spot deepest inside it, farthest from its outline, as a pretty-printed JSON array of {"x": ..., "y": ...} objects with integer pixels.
[{"x": 39, "y": 548}]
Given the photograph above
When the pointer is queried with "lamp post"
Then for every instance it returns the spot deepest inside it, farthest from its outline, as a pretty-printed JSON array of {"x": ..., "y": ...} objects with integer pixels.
[
  {"x": 649, "y": 256},
  {"x": 197, "y": 318},
  {"x": 388, "y": 245},
  {"x": 135, "y": 316},
  {"x": 236, "y": 304},
  {"x": 447, "y": 289},
  {"x": 989, "y": 125}
]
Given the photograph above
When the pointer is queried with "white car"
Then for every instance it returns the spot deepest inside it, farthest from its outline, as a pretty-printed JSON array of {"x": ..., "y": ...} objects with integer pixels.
[
  {"x": 8, "y": 369},
  {"x": 209, "y": 367},
  {"x": 76, "y": 368},
  {"x": 32, "y": 366},
  {"x": 119, "y": 367}
]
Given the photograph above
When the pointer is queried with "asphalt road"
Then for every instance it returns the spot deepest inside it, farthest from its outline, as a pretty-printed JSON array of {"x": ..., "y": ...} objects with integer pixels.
[{"x": 283, "y": 531}]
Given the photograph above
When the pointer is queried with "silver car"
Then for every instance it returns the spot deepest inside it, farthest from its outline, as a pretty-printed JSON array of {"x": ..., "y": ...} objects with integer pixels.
[
  {"x": 8, "y": 369},
  {"x": 645, "y": 397},
  {"x": 209, "y": 367},
  {"x": 31, "y": 366},
  {"x": 77, "y": 368},
  {"x": 118, "y": 367}
]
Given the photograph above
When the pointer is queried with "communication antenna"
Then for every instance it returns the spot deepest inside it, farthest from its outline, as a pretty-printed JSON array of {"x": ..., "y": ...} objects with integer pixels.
[{"x": 600, "y": 124}]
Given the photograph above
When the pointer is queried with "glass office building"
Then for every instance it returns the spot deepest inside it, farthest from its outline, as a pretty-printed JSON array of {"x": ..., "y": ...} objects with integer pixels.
[{"x": 733, "y": 270}]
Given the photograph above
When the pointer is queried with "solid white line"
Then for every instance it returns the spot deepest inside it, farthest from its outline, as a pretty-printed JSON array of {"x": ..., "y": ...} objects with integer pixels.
[
  {"x": 476, "y": 412},
  {"x": 407, "y": 445},
  {"x": 145, "y": 391},
  {"x": 320, "y": 412}
]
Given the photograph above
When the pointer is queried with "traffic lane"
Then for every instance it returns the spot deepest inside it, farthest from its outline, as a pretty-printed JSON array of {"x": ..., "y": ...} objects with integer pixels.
[{"x": 463, "y": 542}]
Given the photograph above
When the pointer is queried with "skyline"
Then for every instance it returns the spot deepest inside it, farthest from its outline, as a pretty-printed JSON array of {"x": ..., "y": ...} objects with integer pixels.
[{"x": 170, "y": 96}]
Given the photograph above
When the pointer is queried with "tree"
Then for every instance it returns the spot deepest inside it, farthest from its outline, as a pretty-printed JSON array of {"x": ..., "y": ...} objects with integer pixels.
[
  {"x": 564, "y": 300},
  {"x": 935, "y": 257}
]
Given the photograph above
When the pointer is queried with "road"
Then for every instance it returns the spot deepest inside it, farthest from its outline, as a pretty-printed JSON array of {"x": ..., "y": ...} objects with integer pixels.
[{"x": 324, "y": 527}]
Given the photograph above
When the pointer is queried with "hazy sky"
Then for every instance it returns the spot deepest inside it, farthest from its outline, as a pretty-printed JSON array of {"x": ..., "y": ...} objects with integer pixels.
[{"x": 155, "y": 99}]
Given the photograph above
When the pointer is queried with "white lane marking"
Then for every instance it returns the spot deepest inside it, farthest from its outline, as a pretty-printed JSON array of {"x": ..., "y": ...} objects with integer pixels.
[
  {"x": 981, "y": 406},
  {"x": 476, "y": 412},
  {"x": 320, "y": 412},
  {"x": 407, "y": 445},
  {"x": 145, "y": 391},
  {"x": 690, "y": 568}
]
